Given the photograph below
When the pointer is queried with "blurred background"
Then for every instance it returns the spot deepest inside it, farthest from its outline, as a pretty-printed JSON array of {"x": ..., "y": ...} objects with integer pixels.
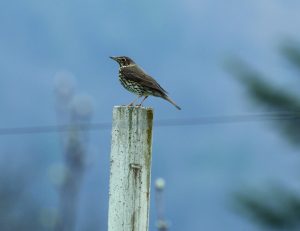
[{"x": 230, "y": 160}]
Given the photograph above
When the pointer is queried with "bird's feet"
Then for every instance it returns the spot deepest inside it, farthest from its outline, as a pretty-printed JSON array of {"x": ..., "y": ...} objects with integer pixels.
[{"x": 130, "y": 105}]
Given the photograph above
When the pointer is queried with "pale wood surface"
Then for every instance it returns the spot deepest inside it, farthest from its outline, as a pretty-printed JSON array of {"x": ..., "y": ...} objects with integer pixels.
[{"x": 130, "y": 170}]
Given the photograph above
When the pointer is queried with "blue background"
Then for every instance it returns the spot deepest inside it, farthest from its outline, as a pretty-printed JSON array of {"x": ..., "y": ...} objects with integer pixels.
[{"x": 183, "y": 44}]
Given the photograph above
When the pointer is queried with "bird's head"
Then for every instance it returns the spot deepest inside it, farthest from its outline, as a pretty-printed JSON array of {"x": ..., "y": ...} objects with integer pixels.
[{"x": 123, "y": 60}]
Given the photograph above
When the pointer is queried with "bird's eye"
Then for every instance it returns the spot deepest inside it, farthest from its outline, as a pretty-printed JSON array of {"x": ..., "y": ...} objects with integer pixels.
[{"x": 123, "y": 60}]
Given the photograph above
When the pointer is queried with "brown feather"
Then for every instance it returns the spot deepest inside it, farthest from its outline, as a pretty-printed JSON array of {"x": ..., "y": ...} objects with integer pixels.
[{"x": 136, "y": 74}]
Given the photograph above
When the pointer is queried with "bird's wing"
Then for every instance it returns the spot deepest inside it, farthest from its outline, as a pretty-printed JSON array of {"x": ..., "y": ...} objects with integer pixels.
[{"x": 136, "y": 74}]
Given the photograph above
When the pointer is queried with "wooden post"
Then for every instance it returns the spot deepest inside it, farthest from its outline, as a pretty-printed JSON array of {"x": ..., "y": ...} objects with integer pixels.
[{"x": 130, "y": 169}]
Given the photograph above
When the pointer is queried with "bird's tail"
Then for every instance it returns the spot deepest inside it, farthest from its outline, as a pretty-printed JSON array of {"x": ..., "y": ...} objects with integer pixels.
[{"x": 172, "y": 102}]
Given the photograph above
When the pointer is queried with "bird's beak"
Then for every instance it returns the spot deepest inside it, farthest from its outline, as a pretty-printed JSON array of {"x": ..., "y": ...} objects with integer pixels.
[{"x": 113, "y": 57}]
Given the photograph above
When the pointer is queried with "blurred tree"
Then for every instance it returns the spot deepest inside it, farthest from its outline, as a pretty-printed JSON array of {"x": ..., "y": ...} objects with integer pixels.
[
  {"x": 161, "y": 223},
  {"x": 275, "y": 208},
  {"x": 75, "y": 110},
  {"x": 291, "y": 52},
  {"x": 18, "y": 209},
  {"x": 271, "y": 97}
]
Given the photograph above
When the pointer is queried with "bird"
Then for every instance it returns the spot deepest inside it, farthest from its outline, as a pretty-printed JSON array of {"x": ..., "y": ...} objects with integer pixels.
[{"x": 134, "y": 79}]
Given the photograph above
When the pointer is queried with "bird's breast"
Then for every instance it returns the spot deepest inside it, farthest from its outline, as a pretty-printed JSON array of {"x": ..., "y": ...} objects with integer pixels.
[{"x": 130, "y": 85}]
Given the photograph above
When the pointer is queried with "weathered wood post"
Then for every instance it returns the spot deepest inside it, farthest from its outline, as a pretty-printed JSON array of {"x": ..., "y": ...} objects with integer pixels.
[{"x": 130, "y": 169}]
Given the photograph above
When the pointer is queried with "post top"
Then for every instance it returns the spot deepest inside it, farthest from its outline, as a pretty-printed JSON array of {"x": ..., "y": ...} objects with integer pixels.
[{"x": 124, "y": 107}]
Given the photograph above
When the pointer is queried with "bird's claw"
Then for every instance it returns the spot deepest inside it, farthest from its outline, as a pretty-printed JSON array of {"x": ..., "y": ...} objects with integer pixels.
[{"x": 132, "y": 105}]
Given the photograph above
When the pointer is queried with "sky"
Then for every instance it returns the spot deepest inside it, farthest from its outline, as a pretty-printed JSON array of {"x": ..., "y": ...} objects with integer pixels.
[{"x": 183, "y": 45}]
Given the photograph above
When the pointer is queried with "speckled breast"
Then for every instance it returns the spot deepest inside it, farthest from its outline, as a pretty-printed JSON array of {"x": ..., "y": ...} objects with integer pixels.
[{"x": 132, "y": 86}]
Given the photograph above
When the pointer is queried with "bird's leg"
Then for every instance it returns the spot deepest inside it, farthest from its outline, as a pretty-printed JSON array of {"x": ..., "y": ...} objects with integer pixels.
[
  {"x": 131, "y": 104},
  {"x": 142, "y": 101}
]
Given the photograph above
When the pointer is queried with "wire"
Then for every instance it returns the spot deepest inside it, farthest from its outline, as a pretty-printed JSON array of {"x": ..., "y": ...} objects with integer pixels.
[
  {"x": 53, "y": 128},
  {"x": 222, "y": 119}
]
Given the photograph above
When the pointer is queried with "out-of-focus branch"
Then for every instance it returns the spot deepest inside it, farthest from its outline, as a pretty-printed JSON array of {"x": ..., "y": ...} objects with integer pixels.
[
  {"x": 77, "y": 110},
  {"x": 269, "y": 96},
  {"x": 161, "y": 223},
  {"x": 280, "y": 211},
  {"x": 291, "y": 51},
  {"x": 277, "y": 208}
]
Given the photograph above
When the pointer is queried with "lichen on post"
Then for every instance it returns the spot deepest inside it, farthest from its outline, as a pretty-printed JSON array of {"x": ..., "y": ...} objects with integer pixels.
[{"x": 130, "y": 170}]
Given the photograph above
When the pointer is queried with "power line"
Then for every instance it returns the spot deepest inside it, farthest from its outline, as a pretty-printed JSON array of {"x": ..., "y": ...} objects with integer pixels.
[
  {"x": 224, "y": 119},
  {"x": 53, "y": 128},
  {"x": 205, "y": 120}
]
